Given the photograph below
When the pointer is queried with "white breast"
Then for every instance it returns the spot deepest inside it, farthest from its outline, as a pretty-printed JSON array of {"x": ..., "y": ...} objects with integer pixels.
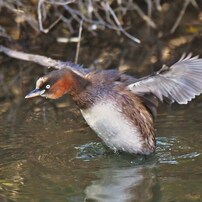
[{"x": 113, "y": 128}]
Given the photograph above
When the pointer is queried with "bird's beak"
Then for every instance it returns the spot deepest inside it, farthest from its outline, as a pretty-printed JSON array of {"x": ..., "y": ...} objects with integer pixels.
[{"x": 36, "y": 92}]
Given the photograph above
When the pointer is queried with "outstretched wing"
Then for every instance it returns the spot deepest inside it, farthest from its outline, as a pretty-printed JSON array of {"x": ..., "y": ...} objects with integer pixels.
[{"x": 181, "y": 82}]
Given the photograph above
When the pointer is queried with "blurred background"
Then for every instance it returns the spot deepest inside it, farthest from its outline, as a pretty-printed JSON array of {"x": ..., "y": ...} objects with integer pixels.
[{"x": 166, "y": 29}]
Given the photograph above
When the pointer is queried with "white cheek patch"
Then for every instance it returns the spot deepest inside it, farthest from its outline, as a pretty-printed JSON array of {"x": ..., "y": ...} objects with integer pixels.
[{"x": 40, "y": 82}]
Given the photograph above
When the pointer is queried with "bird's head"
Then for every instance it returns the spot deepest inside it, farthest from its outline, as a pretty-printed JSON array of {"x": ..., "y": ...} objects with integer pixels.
[{"x": 57, "y": 83}]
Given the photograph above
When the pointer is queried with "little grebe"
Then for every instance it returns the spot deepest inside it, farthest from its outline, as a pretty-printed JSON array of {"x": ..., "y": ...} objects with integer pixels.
[{"x": 119, "y": 107}]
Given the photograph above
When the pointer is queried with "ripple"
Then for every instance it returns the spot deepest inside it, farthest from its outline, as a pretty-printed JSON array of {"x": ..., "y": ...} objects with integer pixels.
[
  {"x": 90, "y": 150},
  {"x": 170, "y": 150}
]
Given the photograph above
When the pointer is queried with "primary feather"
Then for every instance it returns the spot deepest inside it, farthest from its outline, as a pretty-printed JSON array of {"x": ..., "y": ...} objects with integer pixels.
[{"x": 181, "y": 82}]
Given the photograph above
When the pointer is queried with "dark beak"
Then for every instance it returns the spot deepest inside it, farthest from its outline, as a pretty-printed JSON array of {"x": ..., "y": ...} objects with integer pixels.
[{"x": 35, "y": 93}]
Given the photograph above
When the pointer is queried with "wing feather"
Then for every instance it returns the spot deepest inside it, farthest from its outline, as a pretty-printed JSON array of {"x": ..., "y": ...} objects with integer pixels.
[{"x": 181, "y": 82}]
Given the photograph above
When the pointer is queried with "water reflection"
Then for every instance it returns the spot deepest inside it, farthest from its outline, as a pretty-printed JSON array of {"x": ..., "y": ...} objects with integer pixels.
[
  {"x": 123, "y": 184},
  {"x": 49, "y": 154}
]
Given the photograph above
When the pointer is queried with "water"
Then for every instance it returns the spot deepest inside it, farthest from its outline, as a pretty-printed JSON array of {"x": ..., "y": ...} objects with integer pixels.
[{"x": 50, "y": 154}]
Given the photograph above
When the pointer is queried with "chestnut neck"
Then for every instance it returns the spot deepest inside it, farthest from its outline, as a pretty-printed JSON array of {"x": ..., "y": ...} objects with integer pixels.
[
  {"x": 77, "y": 88},
  {"x": 78, "y": 83}
]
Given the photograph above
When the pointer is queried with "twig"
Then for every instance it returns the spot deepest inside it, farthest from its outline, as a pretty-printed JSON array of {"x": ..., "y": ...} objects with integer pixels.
[
  {"x": 146, "y": 18},
  {"x": 79, "y": 43},
  {"x": 107, "y": 6},
  {"x": 60, "y": 3},
  {"x": 177, "y": 22},
  {"x": 44, "y": 61},
  {"x": 158, "y": 5},
  {"x": 149, "y": 10},
  {"x": 194, "y": 4},
  {"x": 40, "y": 19}
]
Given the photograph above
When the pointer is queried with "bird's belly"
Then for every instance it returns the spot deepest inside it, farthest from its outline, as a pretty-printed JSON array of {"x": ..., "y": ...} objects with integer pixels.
[{"x": 113, "y": 127}]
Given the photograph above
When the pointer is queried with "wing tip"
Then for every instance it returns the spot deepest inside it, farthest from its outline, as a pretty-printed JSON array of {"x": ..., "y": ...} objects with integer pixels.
[{"x": 188, "y": 56}]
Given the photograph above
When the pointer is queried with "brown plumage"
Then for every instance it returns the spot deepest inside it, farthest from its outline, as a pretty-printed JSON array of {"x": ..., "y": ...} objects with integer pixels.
[{"x": 121, "y": 108}]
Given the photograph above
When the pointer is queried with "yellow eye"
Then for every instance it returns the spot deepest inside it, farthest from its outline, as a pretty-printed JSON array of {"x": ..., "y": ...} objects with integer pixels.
[{"x": 47, "y": 86}]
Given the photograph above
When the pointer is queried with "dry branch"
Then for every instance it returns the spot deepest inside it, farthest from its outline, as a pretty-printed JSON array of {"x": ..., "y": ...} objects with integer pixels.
[
  {"x": 42, "y": 60},
  {"x": 182, "y": 12},
  {"x": 96, "y": 15}
]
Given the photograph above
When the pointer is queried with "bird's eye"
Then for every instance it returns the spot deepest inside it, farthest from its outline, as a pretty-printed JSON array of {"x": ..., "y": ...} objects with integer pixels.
[{"x": 47, "y": 86}]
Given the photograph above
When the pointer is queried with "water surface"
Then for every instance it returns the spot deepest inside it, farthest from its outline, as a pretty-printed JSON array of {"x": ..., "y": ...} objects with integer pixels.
[{"x": 48, "y": 153}]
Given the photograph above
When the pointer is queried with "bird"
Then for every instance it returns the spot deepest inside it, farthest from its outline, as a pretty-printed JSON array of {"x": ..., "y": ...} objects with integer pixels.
[{"x": 120, "y": 108}]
